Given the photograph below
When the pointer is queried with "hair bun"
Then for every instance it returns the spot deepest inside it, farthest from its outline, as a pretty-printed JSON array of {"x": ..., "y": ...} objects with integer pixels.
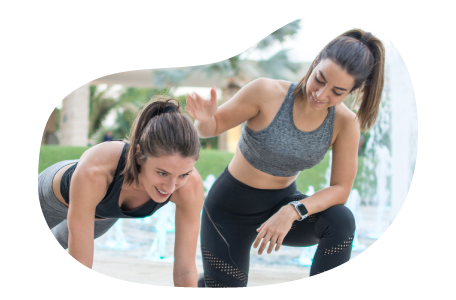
[{"x": 167, "y": 109}]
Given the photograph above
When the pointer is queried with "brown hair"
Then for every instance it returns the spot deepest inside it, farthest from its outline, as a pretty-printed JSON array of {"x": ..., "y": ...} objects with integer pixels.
[
  {"x": 362, "y": 56},
  {"x": 160, "y": 129}
]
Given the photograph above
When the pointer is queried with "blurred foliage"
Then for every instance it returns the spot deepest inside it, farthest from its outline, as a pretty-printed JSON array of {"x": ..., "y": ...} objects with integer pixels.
[
  {"x": 100, "y": 104},
  {"x": 126, "y": 107},
  {"x": 280, "y": 35}
]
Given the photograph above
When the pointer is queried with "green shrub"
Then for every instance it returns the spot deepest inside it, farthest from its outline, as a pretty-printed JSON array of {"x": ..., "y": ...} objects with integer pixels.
[{"x": 50, "y": 154}]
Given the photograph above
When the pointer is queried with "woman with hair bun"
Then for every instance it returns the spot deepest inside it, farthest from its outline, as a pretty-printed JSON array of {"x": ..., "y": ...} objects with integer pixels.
[
  {"x": 289, "y": 128},
  {"x": 81, "y": 199}
]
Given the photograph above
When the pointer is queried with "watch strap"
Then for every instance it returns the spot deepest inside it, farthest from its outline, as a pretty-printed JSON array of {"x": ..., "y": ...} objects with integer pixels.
[{"x": 300, "y": 209}]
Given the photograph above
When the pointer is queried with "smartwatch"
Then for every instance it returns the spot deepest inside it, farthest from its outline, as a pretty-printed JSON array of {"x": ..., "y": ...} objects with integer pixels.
[{"x": 300, "y": 208}]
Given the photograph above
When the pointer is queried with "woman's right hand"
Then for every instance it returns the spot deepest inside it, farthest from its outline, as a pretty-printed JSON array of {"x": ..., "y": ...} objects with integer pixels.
[{"x": 200, "y": 109}]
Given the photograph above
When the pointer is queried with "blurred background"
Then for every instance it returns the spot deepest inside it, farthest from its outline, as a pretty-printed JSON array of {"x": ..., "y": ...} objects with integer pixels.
[{"x": 105, "y": 109}]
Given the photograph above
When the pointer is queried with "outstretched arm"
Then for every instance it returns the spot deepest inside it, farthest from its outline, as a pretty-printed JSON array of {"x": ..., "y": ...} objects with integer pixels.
[
  {"x": 211, "y": 120},
  {"x": 189, "y": 201}
]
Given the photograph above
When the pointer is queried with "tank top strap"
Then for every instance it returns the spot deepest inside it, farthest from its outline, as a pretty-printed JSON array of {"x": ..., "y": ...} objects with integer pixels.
[
  {"x": 286, "y": 109},
  {"x": 289, "y": 98}
]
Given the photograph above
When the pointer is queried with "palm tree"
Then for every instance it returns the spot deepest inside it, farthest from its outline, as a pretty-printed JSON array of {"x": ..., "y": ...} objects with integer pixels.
[
  {"x": 100, "y": 104},
  {"x": 238, "y": 70},
  {"x": 130, "y": 103}
]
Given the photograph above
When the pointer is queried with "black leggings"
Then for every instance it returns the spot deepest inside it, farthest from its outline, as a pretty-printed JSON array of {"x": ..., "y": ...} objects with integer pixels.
[{"x": 233, "y": 211}]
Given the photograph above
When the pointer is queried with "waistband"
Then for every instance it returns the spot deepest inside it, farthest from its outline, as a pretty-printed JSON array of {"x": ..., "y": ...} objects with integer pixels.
[
  {"x": 226, "y": 173},
  {"x": 234, "y": 196}
]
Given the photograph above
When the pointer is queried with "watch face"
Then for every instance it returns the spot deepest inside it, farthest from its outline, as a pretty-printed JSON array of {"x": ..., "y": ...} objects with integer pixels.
[{"x": 302, "y": 209}]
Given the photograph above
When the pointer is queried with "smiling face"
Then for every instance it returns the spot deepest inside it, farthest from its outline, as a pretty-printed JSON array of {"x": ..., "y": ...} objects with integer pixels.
[
  {"x": 328, "y": 85},
  {"x": 161, "y": 176}
]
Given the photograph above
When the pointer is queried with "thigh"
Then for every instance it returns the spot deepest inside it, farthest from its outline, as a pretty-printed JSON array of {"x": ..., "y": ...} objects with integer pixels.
[
  {"x": 54, "y": 211},
  {"x": 232, "y": 212},
  {"x": 225, "y": 245},
  {"x": 102, "y": 226},
  {"x": 60, "y": 231}
]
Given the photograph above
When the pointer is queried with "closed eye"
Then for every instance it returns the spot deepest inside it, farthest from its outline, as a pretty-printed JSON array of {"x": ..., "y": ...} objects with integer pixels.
[{"x": 321, "y": 82}]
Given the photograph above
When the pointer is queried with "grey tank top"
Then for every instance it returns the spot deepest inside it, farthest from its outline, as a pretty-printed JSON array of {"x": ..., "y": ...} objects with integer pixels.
[{"x": 283, "y": 150}]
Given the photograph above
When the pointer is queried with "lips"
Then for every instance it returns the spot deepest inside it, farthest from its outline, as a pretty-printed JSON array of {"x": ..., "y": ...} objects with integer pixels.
[
  {"x": 315, "y": 101},
  {"x": 160, "y": 193}
]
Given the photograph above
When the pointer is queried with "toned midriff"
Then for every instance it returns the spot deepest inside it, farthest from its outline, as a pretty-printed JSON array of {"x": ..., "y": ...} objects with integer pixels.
[{"x": 243, "y": 171}]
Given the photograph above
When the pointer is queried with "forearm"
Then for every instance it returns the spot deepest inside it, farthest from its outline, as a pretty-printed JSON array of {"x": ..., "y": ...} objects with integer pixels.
[
  {"x": 79, "y": 270},
  {"x": 320, "y": 201},
  {"x": 206, "y": 129},
  {"x": 185, "y": 277},
  {"x": 326, "y": 198},
  {"x": 80, "y": 256}
]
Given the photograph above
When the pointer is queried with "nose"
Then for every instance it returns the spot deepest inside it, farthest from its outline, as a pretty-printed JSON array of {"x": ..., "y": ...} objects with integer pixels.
[
  {"x": 321, "y": 94},
  {"x": 170, "y": 186}
]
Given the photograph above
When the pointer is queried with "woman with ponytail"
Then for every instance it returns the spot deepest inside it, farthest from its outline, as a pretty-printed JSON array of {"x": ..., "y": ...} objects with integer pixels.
[
  {"x": 289, "y": 128},
  {"x": 81, "y": 199}
]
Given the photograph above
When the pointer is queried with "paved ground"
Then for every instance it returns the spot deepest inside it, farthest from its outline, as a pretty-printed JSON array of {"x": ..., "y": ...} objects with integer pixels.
[{"x": 138, "y": 260}]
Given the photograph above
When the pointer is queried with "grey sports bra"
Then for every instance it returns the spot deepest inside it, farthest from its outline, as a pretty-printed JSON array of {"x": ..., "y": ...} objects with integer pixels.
[
  {"x": 109, "y": 206},
  {"x": 281, "y": 149}
]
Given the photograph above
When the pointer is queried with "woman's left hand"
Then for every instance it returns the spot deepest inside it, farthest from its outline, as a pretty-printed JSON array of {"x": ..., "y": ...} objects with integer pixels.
[{"x": 275, "y": 229}]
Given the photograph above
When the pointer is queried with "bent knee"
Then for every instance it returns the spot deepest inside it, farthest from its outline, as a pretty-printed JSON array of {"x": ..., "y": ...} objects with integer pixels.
[{"x": 340, "y": 218}]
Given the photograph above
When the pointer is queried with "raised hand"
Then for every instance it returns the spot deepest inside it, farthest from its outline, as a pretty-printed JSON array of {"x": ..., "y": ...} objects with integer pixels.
[
  {"x": 200, "y": 109},
  {"x": 275, "y": 229}
]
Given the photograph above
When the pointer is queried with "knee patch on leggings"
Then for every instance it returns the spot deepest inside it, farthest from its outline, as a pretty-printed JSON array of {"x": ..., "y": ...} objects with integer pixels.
[
  {"x": 342, "y": 246},
  {"x": 223, "y": 267}
]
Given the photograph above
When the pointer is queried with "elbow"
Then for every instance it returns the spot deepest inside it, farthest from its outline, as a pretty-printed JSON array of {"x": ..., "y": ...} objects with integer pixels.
[{"x": 344, "y": 193}]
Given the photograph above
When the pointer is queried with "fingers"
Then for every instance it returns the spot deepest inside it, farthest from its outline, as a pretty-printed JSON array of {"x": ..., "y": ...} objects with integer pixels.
[
  {"x": 189, "y": 106},
  {"x": 265, "y": 236},
  {"x": 261, "y": 227},
  {"x": 264, "y": 243},
  {"x": 198, "y": 97},
  {"x": 259, "y": 238},
  {"x": 279, "y": 243},
  {"x": 272, "y": 243},
  {"x": 213, "y": 94}
]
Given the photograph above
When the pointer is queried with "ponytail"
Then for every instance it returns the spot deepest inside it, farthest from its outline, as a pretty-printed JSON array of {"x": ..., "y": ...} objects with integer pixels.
[{"x": 362, "y": 56}]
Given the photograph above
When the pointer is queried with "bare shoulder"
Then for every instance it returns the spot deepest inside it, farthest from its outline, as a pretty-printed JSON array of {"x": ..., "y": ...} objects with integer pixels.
[
  {"x": 259, "y": 93},
  {"x": 190, "y": 193},
  {"x": 101, "y": 159},
  {"x": 346, "y": 122},
  {"x": 268, "y": 89}
]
